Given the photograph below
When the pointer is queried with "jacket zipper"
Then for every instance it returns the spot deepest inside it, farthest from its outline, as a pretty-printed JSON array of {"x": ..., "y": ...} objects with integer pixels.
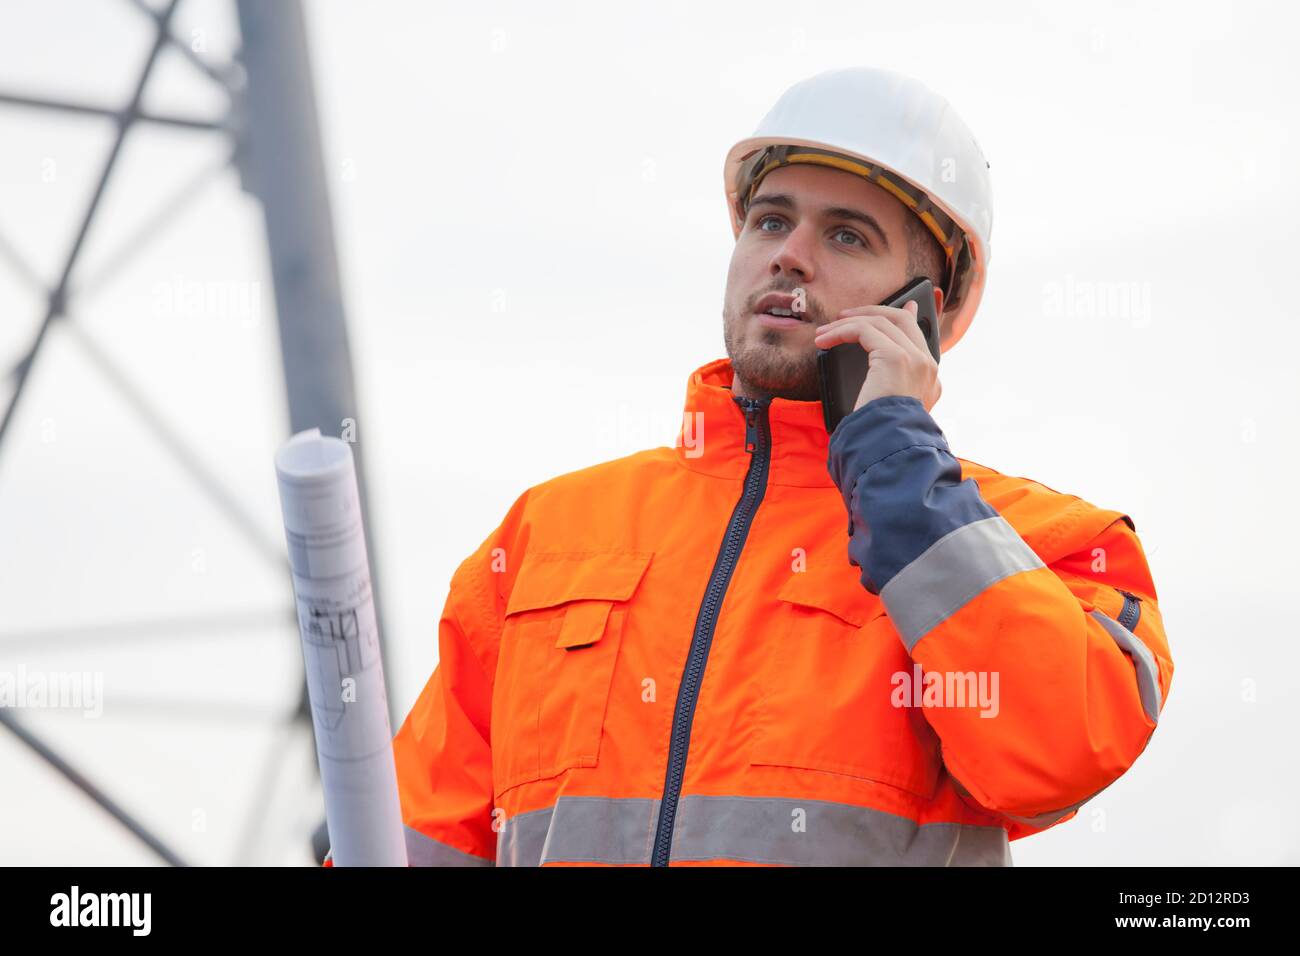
[
  {"x": 1132, "y": 610},
  {"x": 758, "y": 441}
]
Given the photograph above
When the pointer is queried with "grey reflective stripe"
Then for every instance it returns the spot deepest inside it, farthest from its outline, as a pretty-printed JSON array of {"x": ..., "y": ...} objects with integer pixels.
[
  {"x": 952, "y": 571},
  {"x": 774, "y": 830},
  {"x": 1144, "y": 662},
  {"x": 581, "y": 830},
  {"x": 422, "y": 850},
  {"x": 795, "y": 832}
]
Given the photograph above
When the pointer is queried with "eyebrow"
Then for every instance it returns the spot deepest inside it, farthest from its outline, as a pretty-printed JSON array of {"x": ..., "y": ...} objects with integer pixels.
[{"x": 830, "y": 212}]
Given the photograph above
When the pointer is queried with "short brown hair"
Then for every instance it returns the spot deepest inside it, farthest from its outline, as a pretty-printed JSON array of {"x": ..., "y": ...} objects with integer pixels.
[{"x": 925, "y": 257}]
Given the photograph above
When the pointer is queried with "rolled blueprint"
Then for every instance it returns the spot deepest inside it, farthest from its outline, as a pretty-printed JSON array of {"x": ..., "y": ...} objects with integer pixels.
[{"x": 340, "y": 648}]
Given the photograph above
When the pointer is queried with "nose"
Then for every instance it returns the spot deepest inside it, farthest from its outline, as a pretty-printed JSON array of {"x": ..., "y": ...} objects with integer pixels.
[{"x": 794, "y": 256}]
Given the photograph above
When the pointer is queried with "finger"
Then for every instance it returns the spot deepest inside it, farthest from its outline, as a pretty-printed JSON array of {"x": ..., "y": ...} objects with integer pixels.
[
  {"x": 859, "y": 329},
  {"x": 897, "y": 332},
  {"x": 912, "y": 329},
  {"x": 874, "y": 310},
  {"x": 904, "y": 318},
  {"x": 877, "y": 322}
]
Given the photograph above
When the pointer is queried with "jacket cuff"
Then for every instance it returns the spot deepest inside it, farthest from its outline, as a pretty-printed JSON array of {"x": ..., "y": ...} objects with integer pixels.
[
  {"x": 875, "y": 431},
  {"x": 901, "y": 485}
]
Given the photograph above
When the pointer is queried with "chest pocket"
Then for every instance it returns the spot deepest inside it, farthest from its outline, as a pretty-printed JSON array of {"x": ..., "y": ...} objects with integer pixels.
[
  {"x": 563, "y": 625},
  {"x": 829, "y": 688}
]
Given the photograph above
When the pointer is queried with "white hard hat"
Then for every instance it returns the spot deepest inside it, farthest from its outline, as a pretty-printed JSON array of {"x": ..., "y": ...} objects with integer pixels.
[{"x": 902, "y": 136}]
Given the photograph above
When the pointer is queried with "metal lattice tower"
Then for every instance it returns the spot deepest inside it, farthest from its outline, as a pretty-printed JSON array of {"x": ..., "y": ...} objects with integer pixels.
[{"x": 270, "y": 134}]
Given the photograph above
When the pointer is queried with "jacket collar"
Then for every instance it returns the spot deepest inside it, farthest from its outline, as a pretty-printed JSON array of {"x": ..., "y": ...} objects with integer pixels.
[{"x": 711, "y": 439}]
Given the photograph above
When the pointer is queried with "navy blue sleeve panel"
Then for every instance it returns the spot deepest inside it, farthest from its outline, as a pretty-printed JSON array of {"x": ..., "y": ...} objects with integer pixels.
[{"x": 901, "y": 485}]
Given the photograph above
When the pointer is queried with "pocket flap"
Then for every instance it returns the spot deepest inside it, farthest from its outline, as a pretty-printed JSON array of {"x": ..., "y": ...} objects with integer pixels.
[
  {"x": 584, "y": 624},
  {"x": 548, "y": 578},
  {"x": 835, "y": 589}
]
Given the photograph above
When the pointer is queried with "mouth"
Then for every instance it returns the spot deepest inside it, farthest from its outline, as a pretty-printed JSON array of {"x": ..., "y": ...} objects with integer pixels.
[{"x": 777, "y": 310}]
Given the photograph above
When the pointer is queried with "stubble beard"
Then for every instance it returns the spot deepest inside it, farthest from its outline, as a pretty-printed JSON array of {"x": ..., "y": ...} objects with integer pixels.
[{"x": 768, "y": 364}]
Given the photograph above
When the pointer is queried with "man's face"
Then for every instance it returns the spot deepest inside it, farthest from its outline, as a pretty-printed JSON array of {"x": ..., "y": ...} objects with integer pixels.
[{"x": 800, "y": 232}]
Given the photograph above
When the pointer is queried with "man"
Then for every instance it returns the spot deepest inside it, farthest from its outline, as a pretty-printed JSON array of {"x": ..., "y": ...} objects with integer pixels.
[{"x": 690, "y": 656}]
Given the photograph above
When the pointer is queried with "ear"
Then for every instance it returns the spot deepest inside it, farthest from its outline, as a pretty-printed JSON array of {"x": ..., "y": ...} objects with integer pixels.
[{"x": 938, "y": 302}]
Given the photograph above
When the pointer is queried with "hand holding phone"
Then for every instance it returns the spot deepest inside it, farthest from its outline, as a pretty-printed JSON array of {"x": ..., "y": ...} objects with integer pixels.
[{"x": 842, "y": 369}]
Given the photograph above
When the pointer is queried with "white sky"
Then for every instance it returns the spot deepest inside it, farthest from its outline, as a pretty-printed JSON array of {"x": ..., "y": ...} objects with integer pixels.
[{"x": 564, "y": 162}]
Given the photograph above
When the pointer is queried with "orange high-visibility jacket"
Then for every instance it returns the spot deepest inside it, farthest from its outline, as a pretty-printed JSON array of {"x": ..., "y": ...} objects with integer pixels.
[{"x": 765, "y": 645}]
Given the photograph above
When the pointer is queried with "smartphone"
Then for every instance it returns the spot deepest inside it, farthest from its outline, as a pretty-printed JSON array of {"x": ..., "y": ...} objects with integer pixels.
[{"x": 842, "y": 369}]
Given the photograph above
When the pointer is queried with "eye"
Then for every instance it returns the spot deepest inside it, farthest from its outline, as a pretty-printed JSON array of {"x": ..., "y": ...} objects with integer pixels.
[{"x": 772, "y": 217}]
